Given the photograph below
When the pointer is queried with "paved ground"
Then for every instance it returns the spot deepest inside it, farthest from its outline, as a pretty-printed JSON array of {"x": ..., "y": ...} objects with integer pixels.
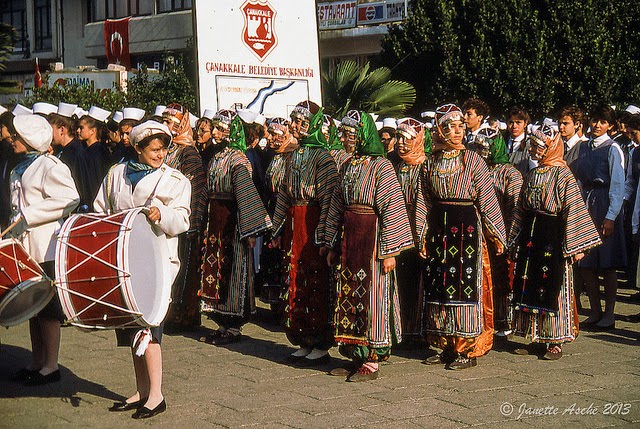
[{"x": 596, "y": 384}]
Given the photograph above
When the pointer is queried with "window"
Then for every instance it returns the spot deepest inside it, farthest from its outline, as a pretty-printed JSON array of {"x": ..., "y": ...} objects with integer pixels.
[
  {"x": 14, "y": 12},
  {"x": 173, "y": 5},
  {"x": 42, "y": 15},
  {"x": 99, "y": 10}
]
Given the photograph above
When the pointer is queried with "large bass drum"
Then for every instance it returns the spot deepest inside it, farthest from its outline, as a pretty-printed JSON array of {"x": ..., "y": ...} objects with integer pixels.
[
  {"x": 24, "y": 287},
  {"x": 112, "y": 271}
]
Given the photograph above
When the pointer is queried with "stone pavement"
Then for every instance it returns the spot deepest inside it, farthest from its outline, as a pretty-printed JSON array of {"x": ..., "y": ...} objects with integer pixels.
[{"x": 595, "y": 384}]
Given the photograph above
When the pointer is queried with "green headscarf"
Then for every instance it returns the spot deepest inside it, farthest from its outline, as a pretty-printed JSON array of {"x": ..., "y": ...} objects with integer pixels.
[
  {"x": 498, "y": 152},
  {"x": 315, "y": 138},
  {"x": 237, "y": 139},
  {"x": 428, "y": 141},
  {"x": 334, "y": 140},
  {"x": 368, "y": 139}
]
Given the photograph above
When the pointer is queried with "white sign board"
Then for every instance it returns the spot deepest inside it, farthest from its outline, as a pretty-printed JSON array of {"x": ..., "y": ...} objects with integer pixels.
[
  {"x": 96, "y": 79},
  {"x": 340, "y": 14},
  {"x": 261, "y": 54}
]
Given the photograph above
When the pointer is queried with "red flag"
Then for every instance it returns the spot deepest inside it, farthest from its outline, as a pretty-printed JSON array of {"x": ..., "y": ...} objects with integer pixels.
[
  {"x": 116, "y": 40},
  {"x": 37, "y": 77}
]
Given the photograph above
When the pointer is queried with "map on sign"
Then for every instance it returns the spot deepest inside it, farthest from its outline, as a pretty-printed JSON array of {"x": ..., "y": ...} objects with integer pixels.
[{"x": 261, "y": 94}]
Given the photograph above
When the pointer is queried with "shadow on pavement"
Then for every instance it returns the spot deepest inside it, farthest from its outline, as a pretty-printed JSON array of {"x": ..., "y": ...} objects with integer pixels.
[{"x": 67, "y": 389}]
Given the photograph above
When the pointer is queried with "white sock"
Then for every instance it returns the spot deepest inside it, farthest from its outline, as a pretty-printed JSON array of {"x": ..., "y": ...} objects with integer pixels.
[
  {"x": 301, "y": 352},
  {"x": 317, "y": 354}
]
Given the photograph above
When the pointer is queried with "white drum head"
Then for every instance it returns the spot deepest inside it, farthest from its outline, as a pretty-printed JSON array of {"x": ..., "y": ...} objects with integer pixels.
[
  {"x": 150, "y": 282},
  {"x": 25, "y": 301}
]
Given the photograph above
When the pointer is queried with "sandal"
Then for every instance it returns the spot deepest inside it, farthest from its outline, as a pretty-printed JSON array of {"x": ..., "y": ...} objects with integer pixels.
[{"x": 554, "y": 352}]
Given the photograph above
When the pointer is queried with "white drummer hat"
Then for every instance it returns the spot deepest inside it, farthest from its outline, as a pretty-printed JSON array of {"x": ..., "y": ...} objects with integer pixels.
[
  {"x": 146, "y": 129},
  {"x": 66, "y": 109},
  {"x": 44, "y": 108},
  {"x": 34, "y": 130},
  {"x": 260, "y": 119},
  {"x": 80, "y": 112},
  {"x": 389, "y": 123},
  {"x": 117, "y": 116},
  {"x": 159, "y": 110},
  {"x": 133, "y": 113},
  {"x": 99, "y": 114},
  {"x": 193, "y": 120},
  {"x": 208, "y": 113},
  {"x": 21, "y": 110},
  {"x": 247, "y": 115},
  {"x": 632, "y": 109}
]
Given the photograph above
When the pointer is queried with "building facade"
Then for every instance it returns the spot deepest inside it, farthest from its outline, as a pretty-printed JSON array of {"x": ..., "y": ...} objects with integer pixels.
[{"x": 72, "y": 31}]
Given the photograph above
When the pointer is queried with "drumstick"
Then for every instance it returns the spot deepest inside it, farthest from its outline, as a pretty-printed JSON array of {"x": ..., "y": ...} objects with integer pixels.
[{"x": 10, "y": 227}]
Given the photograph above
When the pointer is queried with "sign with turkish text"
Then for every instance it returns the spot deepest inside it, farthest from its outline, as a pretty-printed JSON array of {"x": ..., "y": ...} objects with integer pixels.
[
  {"x": 116, "y": 41},
  {"x": 257, "y": 54},
  {"x": 335, "y": 15}
]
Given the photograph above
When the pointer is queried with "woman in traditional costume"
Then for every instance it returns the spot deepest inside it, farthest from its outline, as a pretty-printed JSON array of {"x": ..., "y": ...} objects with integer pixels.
[
  {"x": 333, "y": 136},
  {"x": 184, "y": 312},
  {"x": 299, "y": 223},
  {"x": 236, "y": 217},
  {"x": 269, "y": 280},
  {"x": 368, "y": 202},
  {"x": 166, "y": 193},
  {"x": 507, "y": 182},
  {"x": 463, "y": 214},
  {"x": 410, "y": 136},
  {"x": 551, "y": 230}
]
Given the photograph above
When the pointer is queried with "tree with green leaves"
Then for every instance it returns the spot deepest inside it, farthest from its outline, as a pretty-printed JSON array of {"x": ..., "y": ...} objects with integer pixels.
[
  {"x": 7, "y": 37},
  {"x": 349, "y": 86},
  {"x": 540, "y": 54}
]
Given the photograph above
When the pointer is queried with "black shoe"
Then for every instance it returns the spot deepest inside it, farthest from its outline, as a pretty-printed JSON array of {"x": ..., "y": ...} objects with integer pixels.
[
  {"x": 226, "y": 338},
  {"x": 127, "y": 406},
  {"x": 436, "y": 359},
  {"x": 462, "y": 362},
  {"x": 39, "y": 379},
  {"x": 24, "y": 374},
  {"x": 145, "y": 413}
]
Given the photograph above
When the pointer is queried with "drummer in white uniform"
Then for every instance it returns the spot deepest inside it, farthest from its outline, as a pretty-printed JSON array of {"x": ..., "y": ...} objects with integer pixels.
[
  {"x": 166, "y": 192},
  {"x": 42, "y": 194}
]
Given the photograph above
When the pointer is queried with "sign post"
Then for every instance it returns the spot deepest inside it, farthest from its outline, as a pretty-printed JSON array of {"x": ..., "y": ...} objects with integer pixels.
[{"x": 262, "y": 54}]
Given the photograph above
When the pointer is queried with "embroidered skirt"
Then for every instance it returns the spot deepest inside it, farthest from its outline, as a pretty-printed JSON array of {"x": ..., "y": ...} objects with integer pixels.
[
  {"x": 227, "y": 263},
  {"x": 367, "y": 311},
  {"x": 309, "y": 297}
]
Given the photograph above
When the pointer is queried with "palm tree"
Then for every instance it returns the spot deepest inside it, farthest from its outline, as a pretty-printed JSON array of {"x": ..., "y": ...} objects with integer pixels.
[
  {"x": 350, "y": 86},
  {"x": 7, "y": 34}
]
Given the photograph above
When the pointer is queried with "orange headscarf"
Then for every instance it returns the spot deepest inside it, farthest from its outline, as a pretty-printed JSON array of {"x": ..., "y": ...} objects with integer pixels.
[
  {"x": 184, "y": 133},
  {"x": 416, "y": 154},
  {"x": 555, "y": 152}
]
